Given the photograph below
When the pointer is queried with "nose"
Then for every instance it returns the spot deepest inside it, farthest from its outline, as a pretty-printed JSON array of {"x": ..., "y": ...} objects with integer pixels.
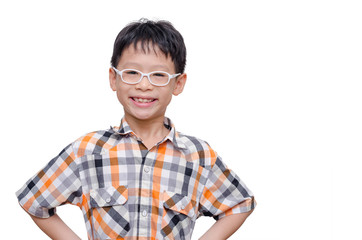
[{"x": 144, "y": 84}]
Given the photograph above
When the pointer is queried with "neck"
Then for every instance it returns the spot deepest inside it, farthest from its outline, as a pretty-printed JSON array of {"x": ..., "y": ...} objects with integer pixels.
[{"x": 150, "y": 131}]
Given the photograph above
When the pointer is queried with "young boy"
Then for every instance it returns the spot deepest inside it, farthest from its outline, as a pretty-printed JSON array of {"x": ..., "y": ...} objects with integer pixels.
[{"x": 143, "y": 179}]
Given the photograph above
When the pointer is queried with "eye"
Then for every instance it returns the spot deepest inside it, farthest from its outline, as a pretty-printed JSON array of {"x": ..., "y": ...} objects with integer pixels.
[
  {"x": 159, "y": 74},
  {"x": 131, "y": 72}
]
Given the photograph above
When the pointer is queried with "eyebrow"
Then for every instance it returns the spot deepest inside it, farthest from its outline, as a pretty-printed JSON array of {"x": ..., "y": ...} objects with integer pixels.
[{"x": 137, "y": 65}]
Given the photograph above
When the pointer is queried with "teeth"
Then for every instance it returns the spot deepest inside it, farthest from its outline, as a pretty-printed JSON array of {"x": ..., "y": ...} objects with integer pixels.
[{"x": 142, "y": 100}]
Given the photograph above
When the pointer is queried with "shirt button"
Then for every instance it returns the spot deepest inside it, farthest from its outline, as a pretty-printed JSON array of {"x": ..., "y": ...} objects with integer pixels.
[
  {"x": 144, "y": 213},
  {"x": 146, "y": 169},
  {"x": 108, "y": 200}
]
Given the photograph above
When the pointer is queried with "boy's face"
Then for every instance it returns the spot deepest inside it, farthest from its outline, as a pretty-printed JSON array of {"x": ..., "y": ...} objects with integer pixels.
[{"x": 144, "y": 101}]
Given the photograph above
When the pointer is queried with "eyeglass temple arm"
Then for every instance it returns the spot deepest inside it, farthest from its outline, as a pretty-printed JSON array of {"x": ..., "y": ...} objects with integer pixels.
[
  {"x": 175, "y": 75},
  {"x": 116, "y": 70}
]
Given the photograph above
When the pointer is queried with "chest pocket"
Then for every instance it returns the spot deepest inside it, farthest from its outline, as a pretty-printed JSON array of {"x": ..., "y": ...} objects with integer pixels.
[
  {"x": 110, "y": 216},
  {"x": 178, "y": 216}
]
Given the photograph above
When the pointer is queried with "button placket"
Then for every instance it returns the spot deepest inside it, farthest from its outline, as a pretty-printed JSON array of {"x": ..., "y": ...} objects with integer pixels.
[{"x": 146, "y": 186}]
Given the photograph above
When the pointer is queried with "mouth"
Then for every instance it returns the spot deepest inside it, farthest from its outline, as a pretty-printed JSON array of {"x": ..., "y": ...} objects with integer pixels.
[{"x": 143, "y": 100}]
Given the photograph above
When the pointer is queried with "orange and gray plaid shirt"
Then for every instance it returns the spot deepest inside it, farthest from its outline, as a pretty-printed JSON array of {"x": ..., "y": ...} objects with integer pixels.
[{"x": 127, "y": 191}]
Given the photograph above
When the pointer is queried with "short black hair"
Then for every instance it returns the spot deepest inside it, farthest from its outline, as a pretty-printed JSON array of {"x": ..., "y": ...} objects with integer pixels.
[{"x": 157, "y": 33}]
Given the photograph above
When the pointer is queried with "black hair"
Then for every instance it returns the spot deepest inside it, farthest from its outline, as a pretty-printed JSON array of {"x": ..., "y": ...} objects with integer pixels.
[{"x": 152, "y": 33}]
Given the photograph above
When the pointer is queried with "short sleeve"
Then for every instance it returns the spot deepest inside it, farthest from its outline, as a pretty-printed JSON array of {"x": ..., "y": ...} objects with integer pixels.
[
  {"x": 224, "y": 193},
  {"x": 56, "y": 184}
]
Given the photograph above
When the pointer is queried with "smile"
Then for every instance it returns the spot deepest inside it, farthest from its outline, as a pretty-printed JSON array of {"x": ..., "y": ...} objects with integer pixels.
[{"x": 143, "y": 100}]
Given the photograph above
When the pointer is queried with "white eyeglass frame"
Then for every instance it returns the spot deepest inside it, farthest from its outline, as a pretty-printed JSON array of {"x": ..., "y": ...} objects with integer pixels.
[{"x": 170, "y": 76}]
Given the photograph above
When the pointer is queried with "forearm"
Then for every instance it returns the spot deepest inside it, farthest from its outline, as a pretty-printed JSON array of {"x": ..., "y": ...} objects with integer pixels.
[
  {"x": 55, "y": 228},
  {"x": 225, "y": 227}
]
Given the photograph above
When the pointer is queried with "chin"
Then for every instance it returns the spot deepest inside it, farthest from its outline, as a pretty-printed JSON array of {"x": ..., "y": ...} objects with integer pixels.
[{"x": 145, "y": 116}]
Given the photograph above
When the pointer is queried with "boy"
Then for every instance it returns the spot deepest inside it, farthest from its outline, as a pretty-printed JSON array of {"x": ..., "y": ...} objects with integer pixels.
[{"x": 141, "y": 180}]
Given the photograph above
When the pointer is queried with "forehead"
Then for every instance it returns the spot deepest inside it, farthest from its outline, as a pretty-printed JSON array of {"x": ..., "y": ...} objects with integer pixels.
[{"x": 145, "y": 54}]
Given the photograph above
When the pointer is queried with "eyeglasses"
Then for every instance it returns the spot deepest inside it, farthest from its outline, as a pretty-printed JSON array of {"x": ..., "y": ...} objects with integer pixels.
[{"x": 157, "y": 78}]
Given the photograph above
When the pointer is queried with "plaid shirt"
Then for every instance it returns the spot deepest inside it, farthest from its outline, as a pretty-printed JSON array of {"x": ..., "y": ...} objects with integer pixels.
[{"x": 127, "y": 191}]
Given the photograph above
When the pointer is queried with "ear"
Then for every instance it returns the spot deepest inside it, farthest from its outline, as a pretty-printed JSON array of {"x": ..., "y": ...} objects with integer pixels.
[
  {"x": 112, "y": 79},
  {"x": 180, "y": 84}
]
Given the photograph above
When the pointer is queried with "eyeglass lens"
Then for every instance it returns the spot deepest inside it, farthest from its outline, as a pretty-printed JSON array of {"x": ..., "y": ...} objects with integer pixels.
[{"x": 132, "y": 76}]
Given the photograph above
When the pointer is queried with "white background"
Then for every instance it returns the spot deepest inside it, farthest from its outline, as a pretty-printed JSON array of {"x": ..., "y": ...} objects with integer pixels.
[{"x": 273, "y": 86}]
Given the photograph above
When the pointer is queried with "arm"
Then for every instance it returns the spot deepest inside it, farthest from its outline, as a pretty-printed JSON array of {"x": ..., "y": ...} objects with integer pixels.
[
  {"x": 55, "y": 228},
  {"x": 56, "y": 184},
  {"x": 227, "y": 199},
  {"x": 225, "y": 227}
]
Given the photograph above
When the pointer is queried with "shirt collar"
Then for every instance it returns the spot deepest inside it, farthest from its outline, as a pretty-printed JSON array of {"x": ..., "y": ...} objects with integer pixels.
[
  {"x": 173, "y": 136},
  {"x": 124, "y": 128}
]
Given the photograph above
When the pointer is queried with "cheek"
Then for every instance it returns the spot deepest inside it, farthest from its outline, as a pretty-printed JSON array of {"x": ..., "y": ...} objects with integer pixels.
[
  {"x": 167, "y": 98},
  {"x": 165, "y": 93},
  {"x": 121, "y": 95}
]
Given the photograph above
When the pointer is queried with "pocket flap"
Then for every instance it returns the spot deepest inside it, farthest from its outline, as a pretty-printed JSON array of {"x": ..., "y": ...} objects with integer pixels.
[
  {"x": 179, "y": 203},
  {"x": 109, "y": 196}
]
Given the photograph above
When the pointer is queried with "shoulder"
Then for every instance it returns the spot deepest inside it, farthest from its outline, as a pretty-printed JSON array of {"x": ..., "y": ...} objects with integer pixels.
[
  {"x": 193, "y": 143},
  {"x": 198, "y": 149},
  {"x": 94, "y": 142}
]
